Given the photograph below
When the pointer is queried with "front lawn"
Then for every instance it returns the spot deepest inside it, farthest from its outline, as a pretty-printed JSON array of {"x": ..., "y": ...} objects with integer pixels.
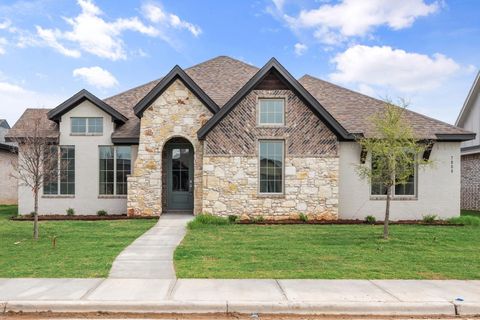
[
  {"x": 83, "y": 249},
  {"x": 329, "y": 252},
  {"x": 470, "y": 213}
]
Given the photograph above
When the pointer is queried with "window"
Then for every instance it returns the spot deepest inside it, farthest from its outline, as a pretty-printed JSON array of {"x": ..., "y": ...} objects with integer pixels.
[
  {"x": 61, "y": 179},
  {"x": 87, "y": 126},
  {"x": 271, "y": 166},
  {"x": 115, "y": 165},
  {"x": 271, "y": 111},
  {"x": 407, "y": 189}
]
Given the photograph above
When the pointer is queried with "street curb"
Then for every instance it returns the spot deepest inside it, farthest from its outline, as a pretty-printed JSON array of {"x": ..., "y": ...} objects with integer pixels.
[
  {"x": 280, "y": 307},
  {"x": 347, "y": 308},
  {"x": 468, "y": 308}
]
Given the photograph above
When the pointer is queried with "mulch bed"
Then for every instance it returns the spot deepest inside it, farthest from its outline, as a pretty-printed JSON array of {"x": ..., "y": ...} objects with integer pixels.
[
  {"x": 58, "y": 217},
  {"x": 350, "y": 222}
]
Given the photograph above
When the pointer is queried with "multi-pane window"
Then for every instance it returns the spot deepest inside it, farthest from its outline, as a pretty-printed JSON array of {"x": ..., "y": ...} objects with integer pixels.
[
  {"x": 83, "y": 126},
  {"x": 115, "y": 165},
  {"x": 59, "y": 178},
  {"x": 407, "y": 189},
  {"x": 271, "y": 111},
  {"x": 271, "y": 166}
]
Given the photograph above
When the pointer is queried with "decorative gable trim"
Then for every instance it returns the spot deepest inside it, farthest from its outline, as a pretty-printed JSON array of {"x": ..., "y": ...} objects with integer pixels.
[
  {"x": 174, "y": 74},
  {"x": 79, "y": 97},
  {"x": 293, "y": 84}
]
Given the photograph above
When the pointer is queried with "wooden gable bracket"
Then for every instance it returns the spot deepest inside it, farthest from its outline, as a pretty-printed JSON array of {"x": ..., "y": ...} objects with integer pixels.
[
  {"x": 363, "y": 155},
  {"x": 428, "y": 150}
]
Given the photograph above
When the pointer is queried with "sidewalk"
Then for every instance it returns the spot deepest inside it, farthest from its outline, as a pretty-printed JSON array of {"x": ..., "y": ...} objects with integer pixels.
[
  {"x": 151, "y": 255},
  {"x": 359, "y": 297}
]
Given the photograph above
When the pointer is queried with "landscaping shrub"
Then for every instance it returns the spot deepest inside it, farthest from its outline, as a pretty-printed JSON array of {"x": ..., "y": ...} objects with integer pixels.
[
  {"x": 303, "y": 217},
  {"x": 370, "y": 219},
  {"x": 207, "y": 219},
  {"x": 232, "y": 218},
  {"x": 258, "y": 219},
  {"x": 429, "y": 218},
  {"x": 102, "y": 213},
  {"x": 466, "y": 220},
  {"x": 70, "y": 212}
]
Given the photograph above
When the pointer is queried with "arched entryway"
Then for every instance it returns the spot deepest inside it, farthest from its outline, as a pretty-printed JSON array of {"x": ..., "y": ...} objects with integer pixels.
[{"x": 178, "y": 173}]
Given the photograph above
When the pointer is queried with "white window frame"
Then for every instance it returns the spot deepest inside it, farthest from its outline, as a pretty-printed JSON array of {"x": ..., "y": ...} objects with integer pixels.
[
  {"x": 259, "y": 112},
  {"x": 283, "y": 168},
  {"x": 87, "y": 127}
]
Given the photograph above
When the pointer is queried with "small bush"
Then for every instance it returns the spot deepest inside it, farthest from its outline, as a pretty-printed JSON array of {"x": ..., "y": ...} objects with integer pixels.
[
  {"x": 102, "y": 213},
  {"x": 232, "y": 218},
  {"x": 70, "y": 212},
  {"x": 32, "y": 214},
  {"x": 258, "y": 219},
  {"x": 207, "y": 219},
  {"x": 465, "y": 220},
  {"x": 303, "y": 217},
  {"x": 429, "y": 218},
  {"x": 370, "y": 219}
]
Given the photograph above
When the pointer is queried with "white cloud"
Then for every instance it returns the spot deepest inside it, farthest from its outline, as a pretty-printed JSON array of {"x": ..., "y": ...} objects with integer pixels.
[
  {"x": 5, "y": 24},
  {"x": 334, "y": 23},
  {"x": 96, "y": 76},
  {"x": 15, "y": 99},
  {"x": 392, "y": 68},
  {"x": 300, "y": 48},
  {"x": 3, "y": 44},
  {"x": 154, "y": 13},
  {"x": 92, "y": 34}
]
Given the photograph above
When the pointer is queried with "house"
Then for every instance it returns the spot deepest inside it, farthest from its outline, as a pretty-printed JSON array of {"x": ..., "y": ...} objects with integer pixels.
[
  {"x": 228, "y": 138},
  {"x": 469, "y": 119},
  {"x": 8, "y": 155}
]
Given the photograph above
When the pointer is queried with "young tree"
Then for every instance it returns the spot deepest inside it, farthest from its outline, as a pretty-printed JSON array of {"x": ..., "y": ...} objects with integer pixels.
[
  {"x": 394, "y": 151},
  {"x": 36, "y": 163}
]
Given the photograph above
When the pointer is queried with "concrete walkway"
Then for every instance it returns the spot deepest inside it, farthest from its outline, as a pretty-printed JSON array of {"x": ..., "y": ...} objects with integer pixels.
[
  {"x": 151, "y": 255},
  {"x": 359, "y": 297}
]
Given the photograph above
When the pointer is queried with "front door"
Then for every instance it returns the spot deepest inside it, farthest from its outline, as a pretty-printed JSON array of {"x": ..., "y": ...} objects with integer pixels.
[{"x": 179, "y": 176}]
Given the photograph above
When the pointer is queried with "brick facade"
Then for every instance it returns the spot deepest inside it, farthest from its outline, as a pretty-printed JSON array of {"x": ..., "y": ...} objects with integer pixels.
[
  {"x": 230, "y": 180},
  {"x": 470, "y": 182}
]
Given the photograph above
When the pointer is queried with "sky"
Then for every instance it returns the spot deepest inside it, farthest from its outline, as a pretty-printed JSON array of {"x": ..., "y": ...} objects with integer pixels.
[{"x": 424, "y": 51}]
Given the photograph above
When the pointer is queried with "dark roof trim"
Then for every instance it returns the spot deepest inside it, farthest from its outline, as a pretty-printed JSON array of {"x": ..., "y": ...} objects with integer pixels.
[
  {"x": 175, "y": 73},
  {"x": 470, "y": 148},
  {"x": 7, "y": 147},
  {"x": 4, "y": 124},
  {"x": 317, "y": 108},
  {"x": 455, "y": 137},
  {"x": 79, "y": 97},
  {"x": 131, "y": 140}
]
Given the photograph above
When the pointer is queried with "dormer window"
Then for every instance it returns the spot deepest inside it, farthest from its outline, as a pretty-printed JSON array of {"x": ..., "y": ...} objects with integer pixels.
[
  {"x": 87, "y": 126},
  {"x": 271, "y": 112}
]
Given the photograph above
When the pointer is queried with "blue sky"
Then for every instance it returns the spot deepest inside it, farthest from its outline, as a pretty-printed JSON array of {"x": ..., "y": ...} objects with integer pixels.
[{"x": 422, "y": 50}]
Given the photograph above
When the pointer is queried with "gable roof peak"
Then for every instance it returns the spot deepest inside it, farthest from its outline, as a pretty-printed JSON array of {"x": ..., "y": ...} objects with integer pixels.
[
  {"x": 176, "y": 73},
  {"x": 82, "y": 95},
  {"x": 467, "y": 105}
]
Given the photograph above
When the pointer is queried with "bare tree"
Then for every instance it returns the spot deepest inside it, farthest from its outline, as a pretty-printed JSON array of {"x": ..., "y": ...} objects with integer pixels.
[
  {"x": 394, "y": 151},
  {"x": 37, "y": 162}
]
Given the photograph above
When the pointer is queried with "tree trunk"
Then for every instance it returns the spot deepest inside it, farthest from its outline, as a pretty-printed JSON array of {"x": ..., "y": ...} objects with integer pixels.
[
  {"x": 387, "y": 213},
  {"x": 35, "y": 216}
]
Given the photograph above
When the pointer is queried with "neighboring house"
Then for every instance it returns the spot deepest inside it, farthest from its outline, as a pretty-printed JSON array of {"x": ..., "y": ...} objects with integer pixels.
[
  {"x": 8, "y": 156},
  {"x": 469, "y": 119},
  {"x": 227, "y": 138}
]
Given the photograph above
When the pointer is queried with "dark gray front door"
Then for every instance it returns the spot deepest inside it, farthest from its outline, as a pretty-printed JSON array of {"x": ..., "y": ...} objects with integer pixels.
[{"x": 179, "y": 176}]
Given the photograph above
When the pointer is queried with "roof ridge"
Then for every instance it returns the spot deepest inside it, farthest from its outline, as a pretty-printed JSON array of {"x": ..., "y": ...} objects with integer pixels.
[
  {"x": 218, "y": 57},
  {"x": 379, "y": 100}
]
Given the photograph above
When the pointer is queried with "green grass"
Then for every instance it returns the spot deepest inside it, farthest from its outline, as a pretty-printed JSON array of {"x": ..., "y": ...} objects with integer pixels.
[
  {"x": 470, "y": 213},
  {"x": 84, "y": 249},
  {"x": 329, "y": 252}
]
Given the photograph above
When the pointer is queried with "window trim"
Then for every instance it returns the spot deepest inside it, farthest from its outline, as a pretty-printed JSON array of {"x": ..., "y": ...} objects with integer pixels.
[
  {"x": 394, "y": 196},
  {"x": 271, "y": 124},
  {"x": 58, "y": 194},
  {"x": 115, "y": 195},
  {"x": 87, "y": 133},
  {"x": 272, "y": 194}
]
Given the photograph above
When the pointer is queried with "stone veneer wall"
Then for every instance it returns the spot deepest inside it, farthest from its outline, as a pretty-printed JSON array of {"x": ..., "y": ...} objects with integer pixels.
[
  {"x": 176, "y": 113},
  {"x": 230, "y": 178},
  {"x": 470, "y": 190}
]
